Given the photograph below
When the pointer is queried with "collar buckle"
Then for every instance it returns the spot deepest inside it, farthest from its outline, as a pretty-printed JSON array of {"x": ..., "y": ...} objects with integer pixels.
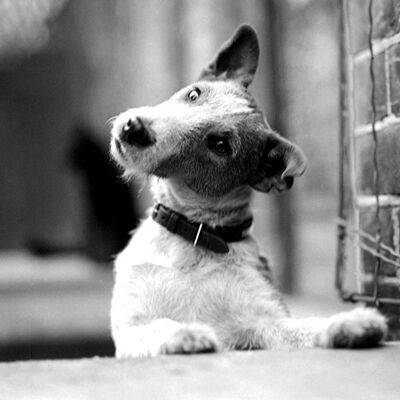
[
  {"x": 197, "y": 235},
  {"x": 156, "y": 208}
]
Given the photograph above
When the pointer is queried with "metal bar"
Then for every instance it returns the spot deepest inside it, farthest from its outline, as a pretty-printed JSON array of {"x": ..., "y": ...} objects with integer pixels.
[
  {"x": 357, "y": 232},
  {"x": 345, "y": 133},
  {"x": 396, "y": 228},
  {"x": 370, "y": 201},
  {"x": 378, "y": 255},
  {"x": 387, "y": 122},
  {"x": 384, "y": 280},
  {"x": 375, "y": 154},
  {"x": 378, "y": 47},
  {"x": 387, "y": 85},
  {"x": 356, "y": 297}
]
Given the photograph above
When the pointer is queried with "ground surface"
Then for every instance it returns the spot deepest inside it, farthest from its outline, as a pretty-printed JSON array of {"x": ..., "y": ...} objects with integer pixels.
[{"x": 302, "y": 374}]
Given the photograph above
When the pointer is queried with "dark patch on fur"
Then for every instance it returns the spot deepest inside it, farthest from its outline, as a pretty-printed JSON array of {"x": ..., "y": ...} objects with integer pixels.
[{"x": 370, "y": 338}]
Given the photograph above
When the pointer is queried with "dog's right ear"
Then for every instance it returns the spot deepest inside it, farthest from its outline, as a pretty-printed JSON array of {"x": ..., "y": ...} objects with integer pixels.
[
  {"x": 237, "y": 59},
  {"x": 280, "y": 163}
]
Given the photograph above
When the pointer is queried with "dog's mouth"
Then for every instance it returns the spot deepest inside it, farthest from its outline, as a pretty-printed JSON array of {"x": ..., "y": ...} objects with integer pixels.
[
  {"x": 118, "y": 147},
  {"x": 118, "y": 152}
]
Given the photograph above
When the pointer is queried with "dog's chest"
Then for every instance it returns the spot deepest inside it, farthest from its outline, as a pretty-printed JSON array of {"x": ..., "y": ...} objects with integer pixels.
[{"x": 169, "y": 278}]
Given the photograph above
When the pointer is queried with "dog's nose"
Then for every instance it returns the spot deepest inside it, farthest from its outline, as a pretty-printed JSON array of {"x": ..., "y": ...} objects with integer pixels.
[{"x": 135, "y": 133}]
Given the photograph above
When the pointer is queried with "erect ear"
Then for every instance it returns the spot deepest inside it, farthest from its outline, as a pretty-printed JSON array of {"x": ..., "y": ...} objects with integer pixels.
[
  {"x": 237, "y": 59},
  {"x": 281, "y": 162}
]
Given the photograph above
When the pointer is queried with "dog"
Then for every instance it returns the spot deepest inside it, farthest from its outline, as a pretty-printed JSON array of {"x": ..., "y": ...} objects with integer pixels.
[{"x": 192, "y": 279}]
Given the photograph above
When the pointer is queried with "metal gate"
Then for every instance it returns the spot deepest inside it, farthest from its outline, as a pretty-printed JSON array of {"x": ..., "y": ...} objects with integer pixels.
[{"x": 368, "y": 256}]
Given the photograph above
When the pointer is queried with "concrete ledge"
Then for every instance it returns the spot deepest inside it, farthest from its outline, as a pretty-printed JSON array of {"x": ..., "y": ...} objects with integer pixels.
[{"x": 301, "y": 374}]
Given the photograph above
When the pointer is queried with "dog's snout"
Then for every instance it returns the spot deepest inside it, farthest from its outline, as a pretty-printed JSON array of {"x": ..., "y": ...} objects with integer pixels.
[{"x": 136, "y": 133}]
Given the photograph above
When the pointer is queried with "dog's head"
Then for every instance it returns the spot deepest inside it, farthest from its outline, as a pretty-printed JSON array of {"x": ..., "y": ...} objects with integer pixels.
[{"x": 210, "y": 136}]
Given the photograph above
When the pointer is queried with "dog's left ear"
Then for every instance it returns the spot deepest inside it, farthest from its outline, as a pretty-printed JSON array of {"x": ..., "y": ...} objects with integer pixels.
[
  {"x": 237, "y": 59},
  {"x": 281, "y": 162}
]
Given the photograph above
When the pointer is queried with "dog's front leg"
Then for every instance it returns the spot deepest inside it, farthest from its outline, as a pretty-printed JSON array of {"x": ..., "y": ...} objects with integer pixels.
[
  {"x": 361, "y": 327},
  {"x": 164, "y": 336}
]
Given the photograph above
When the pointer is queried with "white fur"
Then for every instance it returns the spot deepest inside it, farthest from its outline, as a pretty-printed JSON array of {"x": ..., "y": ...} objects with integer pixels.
[{"x": 164, "y": 285}]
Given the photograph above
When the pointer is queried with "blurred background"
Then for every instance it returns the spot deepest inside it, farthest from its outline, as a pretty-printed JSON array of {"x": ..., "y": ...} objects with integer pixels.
[{"x": 66, "y": 67}]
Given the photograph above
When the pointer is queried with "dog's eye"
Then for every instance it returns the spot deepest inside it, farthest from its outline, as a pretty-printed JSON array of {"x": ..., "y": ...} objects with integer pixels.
[
  {"x": 194, "y": 94},
  {"x": 219, "y": 145}
]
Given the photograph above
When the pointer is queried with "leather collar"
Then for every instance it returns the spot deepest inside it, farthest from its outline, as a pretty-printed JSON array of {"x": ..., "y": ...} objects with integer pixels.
[{"x": 214, "y": 239}]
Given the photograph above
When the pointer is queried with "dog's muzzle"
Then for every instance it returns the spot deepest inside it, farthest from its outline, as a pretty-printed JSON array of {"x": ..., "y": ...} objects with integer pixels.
[{"x": 136, "y": 133}]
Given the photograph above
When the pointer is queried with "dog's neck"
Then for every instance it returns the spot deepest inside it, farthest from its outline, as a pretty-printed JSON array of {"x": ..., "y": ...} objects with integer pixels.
[{"x": 229, "y": 210}]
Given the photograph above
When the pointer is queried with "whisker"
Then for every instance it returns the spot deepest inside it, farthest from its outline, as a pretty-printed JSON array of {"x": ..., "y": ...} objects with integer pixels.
[{"x": 111, "y": 120}]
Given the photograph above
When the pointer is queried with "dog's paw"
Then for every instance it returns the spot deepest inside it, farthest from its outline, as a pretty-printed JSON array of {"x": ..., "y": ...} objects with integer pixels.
[
  {"x": 191, "y": 338},
  {"x": 359, "y": 328}
]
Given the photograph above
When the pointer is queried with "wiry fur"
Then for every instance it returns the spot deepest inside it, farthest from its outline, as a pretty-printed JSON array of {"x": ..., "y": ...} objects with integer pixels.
[{"x": 173, "y": 297}]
